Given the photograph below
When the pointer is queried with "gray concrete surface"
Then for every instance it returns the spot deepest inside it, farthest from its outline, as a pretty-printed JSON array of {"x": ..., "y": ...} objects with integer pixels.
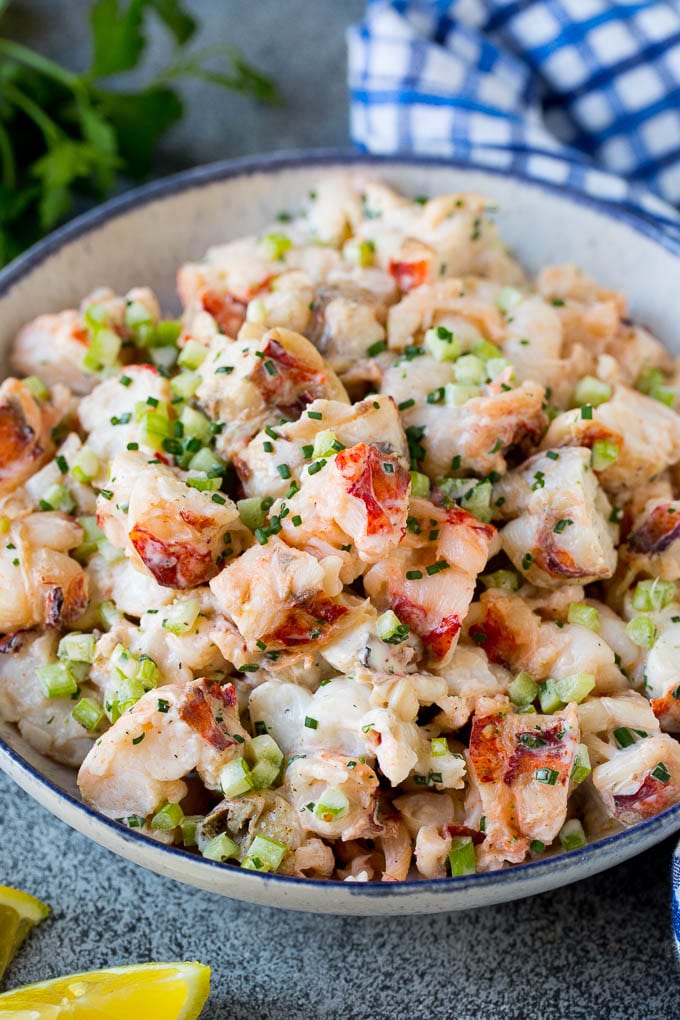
[{"x": 600, "y": 950}]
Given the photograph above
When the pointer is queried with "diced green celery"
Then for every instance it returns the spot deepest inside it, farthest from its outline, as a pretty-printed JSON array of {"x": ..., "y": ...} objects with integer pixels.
[
  {"x": 462, "y": 859},
  {"x": 195, "y": 424},
  {"x": 325, "y": 444},
  {"x": 95, "y": 316},
  {"x": 439, "y": 746},
  {"x": 221, "y": 848},
  {"x": 204, "y": 484},
  {"x": 164, "y": 357},
  {"x": 136, "y": 315},
  {"x": 442, "y": 344},
  {"x": 57, "y": 497},
  {"x": 192, "y": 354},
  {"x": 235, "y": 778},
  {"x": 496, "y": 366},
  {"x": 590, "y": 390},
  {"x": 523, "y": 689},
  {"x": 109, "y": 614},
  {"x": 167, "y": 818},
  {"x": 360, "y": 253},
  {"x": 604, "y": 454},
  {"x": 205, "y": 460},
  {"x": 641, "y": 631},
  {"x": 185, "y": 384},
  {"x": 188, "y": 826},
  {"x": 455, "y": 394},
  {"x": 651, "y": 596},
  {"x": 571, "y": 835},
  {"x": 584, "y": 616},
  {"x": 581, "y": 768},
  {"x": 507, "y": 298},
  {"x": 549, "y": 698},
  {"x": 77, "y": 647},
  {"x": 651, "y": 381},
  {"x": 103, "y": 351},
  {"x": 456, "y": 488},
  {"x": 57, "y": 680},
  {"x": 264, "y": 774},
  {"x": 478, "y": 501},
  {"x": 89, "y": 713},
  {"x": 36, "y": 386},
  {"x": 508, "y": 580},
  {"x": 110, "y": 553},
  {"x": 470, "y": 370},
  {"x": 575, "y": 687},
  {"x": 181, "y": 616},
  {"x": 265, "y": 748},
  {"x": 155, "y": 427},
  {"x": 251, "y": 513},
  {"x": 124, "y": 661},
  {"x": 333, "y": 804},
  {"x": 275, "y": 245},
  {"x": 85, "y": 465},
  {"x": 264, "y": 854},
  {"x": 147, "y": 672},
  {"x": 485, "y": 351},
  {"x": 390, "y": 629},
  {"x": 167, "y": 332},
  {"x": 420, "y": 485},
  {"x": 126, "y": 693}
]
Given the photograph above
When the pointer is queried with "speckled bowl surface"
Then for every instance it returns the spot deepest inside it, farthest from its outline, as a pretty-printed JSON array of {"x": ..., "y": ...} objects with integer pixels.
[{"x": 141, "y": 238}]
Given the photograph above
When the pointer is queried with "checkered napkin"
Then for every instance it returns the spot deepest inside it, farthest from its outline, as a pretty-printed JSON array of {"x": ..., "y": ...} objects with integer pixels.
[{"x": 570, "y": 91}]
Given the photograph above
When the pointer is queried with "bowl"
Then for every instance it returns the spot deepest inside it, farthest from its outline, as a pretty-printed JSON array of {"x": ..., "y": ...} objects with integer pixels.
[{"x": 141, "y": 238}]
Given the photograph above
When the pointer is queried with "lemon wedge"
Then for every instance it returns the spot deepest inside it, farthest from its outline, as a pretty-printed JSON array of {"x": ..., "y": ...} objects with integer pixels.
[
  {"x": 19, "y": 912},
  {"x": 154, "y": 991}
]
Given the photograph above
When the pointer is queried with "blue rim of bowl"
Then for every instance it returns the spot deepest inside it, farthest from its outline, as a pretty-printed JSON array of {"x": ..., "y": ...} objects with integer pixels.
[{"x": 213, "y": 173}]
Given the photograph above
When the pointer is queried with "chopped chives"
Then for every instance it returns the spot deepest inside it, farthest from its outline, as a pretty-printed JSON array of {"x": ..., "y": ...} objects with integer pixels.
[
  {"x": 414, "y": 575},
  {"x": 377, "y": 348},
  {"x": 661, "y": 773},
  {"x": 283, "y": 470},
  {"x": 311, "y": 723},
  {"x": 547, "y": 776},
  {"x": 405, "y": 404}
]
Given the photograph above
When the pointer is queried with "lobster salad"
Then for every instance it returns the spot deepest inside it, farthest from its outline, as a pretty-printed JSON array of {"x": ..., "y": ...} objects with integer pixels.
[{"x": 366, "y": 566}]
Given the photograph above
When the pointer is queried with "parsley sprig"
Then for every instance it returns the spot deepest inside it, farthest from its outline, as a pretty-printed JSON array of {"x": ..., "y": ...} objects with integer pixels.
[{"x": 67, "y": 135}]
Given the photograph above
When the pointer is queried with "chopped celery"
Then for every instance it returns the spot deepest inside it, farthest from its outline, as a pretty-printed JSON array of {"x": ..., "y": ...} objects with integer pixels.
[
  {"x": 651, "y": 596},
  {"x": 77, "y": 647},
  {"x": 439, "y": 746},
  {"x": 581, "y": 768},
  {"x": 584, "y": 616},
  {"x": 136, "y": 315},
  {"x": 95, "y": 316},
  {"x": 167, "y": 332},
  {"x": 188, "y": 826},
  {"x": 195, "y": 424},
  {"x": 470, "y": 370},
  {"x": 420, "y": 485},
  {"x": 442, "y": 344},
  {"x": 103, "y": 351},
  {"x": 109, "y": 614},
  {"x": 205, "y": 460},
  {"x": 507, "y": 580},
  {"x": 110, "y": 553},
  {"x": 57, "y": 497},
  {"x": 571, "y": 835},
  {"x": 264, "y": 854},
  {"x": 275, "y": 245},
  {"x": 57, "y": 680},
  {"x": 221, "y": 848},
  {"x": 181, "y": 616},
  {"x": 641, "y": 631},
  {"x": 333, "y": 804},
  {"x": 575, "y": 687},
  {"x": 264, "y": 774},
  {"x": 325, "y": 444},
  {"x": 265, "y": 748},
  {"x": 36, "y": 386},
  {"x": 462, "y": 859},
  {"x": 85, "y": 465},
  {"x": 204, "y": 484},
  {"x": 496, "y": 366},
  {"x": 164, "y": 357},
  {"x": 651, "y": 381},
  {"x": 235, "y": 778},
  {"x": 485, "y": 351},
  {"x": 390, "y": 629},
  {"x": 604, "y": 454},
  {"x": 590, "y": 390},
  {"x": 507, "y": 298},
  {"x": 185, "y": 384},
  {"x": 192, "y": 354},
  {"x": 549, "y": 698},
  {"x": 89, "y": 713},
  {"x": 456, "y": 394},
  {"x": 251, "y": 512},
  {"x": 167, "y": 818},
  {"x": 478, "y": 501},
  {"x": 523, "y": 689}
]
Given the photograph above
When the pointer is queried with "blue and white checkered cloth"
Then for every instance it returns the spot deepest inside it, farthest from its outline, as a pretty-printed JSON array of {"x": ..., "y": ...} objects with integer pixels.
[{"x": 570, "y": 91}]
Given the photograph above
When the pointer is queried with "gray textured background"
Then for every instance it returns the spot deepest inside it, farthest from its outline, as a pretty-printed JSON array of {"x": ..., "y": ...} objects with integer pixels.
[{"x": 600, "y": 950}]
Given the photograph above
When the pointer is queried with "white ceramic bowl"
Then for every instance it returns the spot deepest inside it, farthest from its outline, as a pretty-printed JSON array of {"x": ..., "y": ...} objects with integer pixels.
[{"x": 141, "y": 238}]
